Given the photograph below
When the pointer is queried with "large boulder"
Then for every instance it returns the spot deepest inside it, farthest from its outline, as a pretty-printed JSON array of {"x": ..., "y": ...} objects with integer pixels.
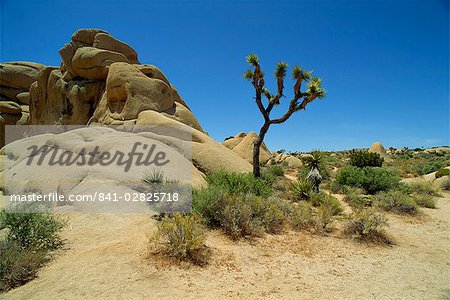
[
  {"x": 243, "y": 143},
  {"x": 92, "y": 63},
  {"x": 378, "y": 148},
  {"x": 19, "y": 75}
]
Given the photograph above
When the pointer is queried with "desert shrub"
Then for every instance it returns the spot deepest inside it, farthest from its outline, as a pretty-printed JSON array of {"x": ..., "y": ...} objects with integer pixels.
[
  {"x": 236, "y": 183},
  {"x": 24, "y": 250},
  {"x": 37, "y": 231},
  {"x": 207, "y": 202},
  {"x": 371, "y": 179},
  {"x": 396, "y": 201},
  {"x": 423, "y": 188},
  {"x": 301, "y": 189},
  {"x": 182, "y": 237},
  {"x": 251, "y": 216},
  {"x": 336, "y": 187},
  {"x": 355, "y": 198},
  {"x": 322, "y": 199},
  {"x": 442, "y": 172},
  {"x": 18, "y": 265},
  {"x": 424, "y": 200},
  {"x": 428, "y": 167},
  {"x": 275, "y": 170},
  {"x": 362, "y": 159},
  {"x": 302, "y": 216},
  {"x": 368, "y": 225},
  {"x": 240, "y": 215}
]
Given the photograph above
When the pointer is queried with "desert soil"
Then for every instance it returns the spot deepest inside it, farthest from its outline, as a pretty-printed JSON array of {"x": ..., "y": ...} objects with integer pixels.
[{"x": 106, "y": 257}]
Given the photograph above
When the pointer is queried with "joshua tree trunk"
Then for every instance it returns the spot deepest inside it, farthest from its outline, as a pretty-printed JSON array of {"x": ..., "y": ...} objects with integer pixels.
[
  {"x": 257, "y": 147},
  {"x": 257, "y": 78}
]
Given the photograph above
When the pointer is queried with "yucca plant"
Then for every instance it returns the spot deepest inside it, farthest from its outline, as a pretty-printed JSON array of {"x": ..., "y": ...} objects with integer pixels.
[{"x": 298, "y": 102}]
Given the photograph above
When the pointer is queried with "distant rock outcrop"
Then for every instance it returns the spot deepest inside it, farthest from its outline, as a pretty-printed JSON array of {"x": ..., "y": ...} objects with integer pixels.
[
  {"x": 378, "y": 148},
  {"x": 242, "y": 144},
  {"x": 285, "y": 159}
]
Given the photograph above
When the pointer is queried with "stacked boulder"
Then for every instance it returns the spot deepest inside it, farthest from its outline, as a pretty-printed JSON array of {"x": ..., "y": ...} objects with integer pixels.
[
  {"x": 101, "y": 82},
  {"x": 15, "y": 81}
]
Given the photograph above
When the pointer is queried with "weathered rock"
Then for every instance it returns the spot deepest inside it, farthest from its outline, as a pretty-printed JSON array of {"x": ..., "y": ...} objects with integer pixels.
[
  {"x": 129, "y": 92},
  {"x": 10, "y": 93},
  {"x": 23, "y": 98},
  {"x": 59, "y": 101},
  {"x": 233, "y": 142},
  {"x": 107, "y": 42},
  {"x": 92, "y": 63},
  {"x": 86, "y": 36},
  {"x": 245, "y": 148},
  {"x": 441, "y": 182},
  {"x": 207, "y": 154},
  {"x": 377, "y": 147},
  {"x": 182, "y": 114},
  {"x": 9, "y": 107},
  {"x": 19, "y": 75}
]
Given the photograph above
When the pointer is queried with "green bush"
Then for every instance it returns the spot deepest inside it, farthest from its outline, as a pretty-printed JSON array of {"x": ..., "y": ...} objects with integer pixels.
[
  {"x": 442, "y": 172},
  {"x": 426, "y": 168},
  {"x": 368, "y": 225},
  {"x": 323, "y": 199},
  {"x": 301, "y": 189},
  {"x": 238, "y": 183},
  {"x": 275, "y": 170},
  {"x": 423, "y": 188},
  {"x": 38, "y": 231},
  {"x": 396, "y": 201},
  {"x": 302, "y": 216},
  {"x": 355, "y": 198},
  {"x": 207, "y": 202},
  {"x": 424, "y": 200},
  {"x": 240, "y": 215},
  {"x": 18, "y": 265},
  {"x": 29, "y": 237},
  {"x": 362, "y": 159},
  {"x": 182, "y": 237},
  {"x": 250, "y": 216},
  {"x": 371, "y": 179}
]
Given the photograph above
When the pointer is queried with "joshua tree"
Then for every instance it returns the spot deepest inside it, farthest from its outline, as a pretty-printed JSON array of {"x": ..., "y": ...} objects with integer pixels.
[{"x": 299, "y": 101}]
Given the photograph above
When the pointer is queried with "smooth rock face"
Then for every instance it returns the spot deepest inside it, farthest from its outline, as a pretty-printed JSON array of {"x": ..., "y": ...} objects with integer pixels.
[
  {"x": 107, "y": 42},
  {"x": 242, "y": 144},
  {"x": 377, "y": 147},
  {"x": 9, "y": 107},
  {"x": 92, "y": 63},
  {"x": 19, "y": 75}
]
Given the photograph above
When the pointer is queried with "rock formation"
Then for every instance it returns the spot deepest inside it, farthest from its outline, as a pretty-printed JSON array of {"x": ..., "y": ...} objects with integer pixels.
[
  {"x": 15, "y": 81},
  {"x": 377, "y": 147},
  {"x": 285, "y": 159},
  {"x": 242, "y": 144},
  {"x": 101, "y": 82}
]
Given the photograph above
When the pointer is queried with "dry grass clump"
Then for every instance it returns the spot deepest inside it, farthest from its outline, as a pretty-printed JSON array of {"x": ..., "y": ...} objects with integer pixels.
[
  {"x": 182, "y": 237},
  {"x": 368, "y": 225}
]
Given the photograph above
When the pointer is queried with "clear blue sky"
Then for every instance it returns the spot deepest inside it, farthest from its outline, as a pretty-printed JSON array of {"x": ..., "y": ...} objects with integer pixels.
[{"x": 385, "y": 64}]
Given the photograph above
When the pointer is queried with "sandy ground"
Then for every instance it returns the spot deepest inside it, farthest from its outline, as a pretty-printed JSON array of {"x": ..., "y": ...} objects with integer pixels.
[{"x": 106, "y": 257}]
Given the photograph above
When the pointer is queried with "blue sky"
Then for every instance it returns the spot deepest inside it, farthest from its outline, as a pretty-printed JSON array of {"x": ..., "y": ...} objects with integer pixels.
[{"x": 385, "y": 64}]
